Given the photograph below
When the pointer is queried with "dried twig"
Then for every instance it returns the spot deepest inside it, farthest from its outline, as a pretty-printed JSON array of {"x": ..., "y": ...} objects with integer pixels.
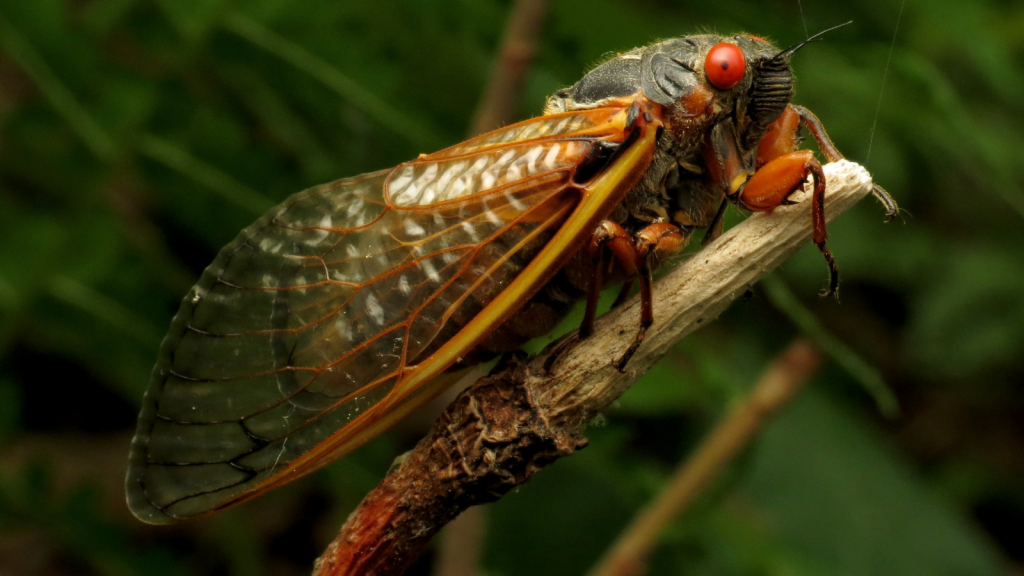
[
  {"x": 518, "y": 45},
  {"x": 783, "y": 378},
  {"x": 508, "y": 426}
]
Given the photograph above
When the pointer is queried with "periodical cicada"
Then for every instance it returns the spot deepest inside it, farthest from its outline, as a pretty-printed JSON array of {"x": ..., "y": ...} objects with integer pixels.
[{"x": 352, "y": 303}]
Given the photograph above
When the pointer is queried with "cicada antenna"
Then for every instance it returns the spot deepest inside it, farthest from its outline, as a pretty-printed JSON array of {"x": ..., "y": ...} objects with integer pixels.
[{"x": 788, "y": 52}]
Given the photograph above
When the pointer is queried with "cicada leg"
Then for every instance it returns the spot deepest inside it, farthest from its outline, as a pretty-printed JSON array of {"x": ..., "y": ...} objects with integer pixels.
[
  {"x": 613, "y": 238},
  {"x": 773, "y": 184},
  {"x": 715, "y": 227},
  {"x": 659, "y": 237},
  {"x": 782, "y": 169},
  {"x": 633, "y": 255},
  {"x": 608, "y": 236},
  {"x": 817, "y": 130},
  {"x": 778, "y": 170}
]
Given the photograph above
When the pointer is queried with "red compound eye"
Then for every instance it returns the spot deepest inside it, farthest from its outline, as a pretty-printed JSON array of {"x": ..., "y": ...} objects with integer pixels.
[{"x": 725, "y": 65}]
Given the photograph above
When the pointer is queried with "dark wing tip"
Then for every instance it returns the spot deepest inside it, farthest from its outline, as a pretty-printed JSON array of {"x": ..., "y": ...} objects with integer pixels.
[{"x": 135, "y": 491}]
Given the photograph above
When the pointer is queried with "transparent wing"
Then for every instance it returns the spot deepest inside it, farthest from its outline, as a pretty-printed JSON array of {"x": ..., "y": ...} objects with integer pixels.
[{"x": 313, "y": 315}]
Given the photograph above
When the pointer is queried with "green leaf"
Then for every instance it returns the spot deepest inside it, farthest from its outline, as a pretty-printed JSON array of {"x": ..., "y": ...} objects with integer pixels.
[
  {"x": 179, "y": 159},
  {"x": 971, "y": 318},
  {"x": 868, "y": 377},
  {"x": 193, "y": 19},
  {"x": 10, "y": 407},
  {"x": 19, "y": 47},
  {"x": 330, "y": 76},
  {"x": 823, "y": 483}
]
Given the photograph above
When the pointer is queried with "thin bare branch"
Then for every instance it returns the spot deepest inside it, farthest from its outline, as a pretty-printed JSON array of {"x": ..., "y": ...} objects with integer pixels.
[
  {"x": 502, "y": 430},
  {"x": 779, "y": 382},
  {"x": 518, "y": 45}
]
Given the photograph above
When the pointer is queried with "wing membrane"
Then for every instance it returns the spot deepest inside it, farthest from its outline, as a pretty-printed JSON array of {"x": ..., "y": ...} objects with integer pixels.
[{"x": 321, "y": 323}]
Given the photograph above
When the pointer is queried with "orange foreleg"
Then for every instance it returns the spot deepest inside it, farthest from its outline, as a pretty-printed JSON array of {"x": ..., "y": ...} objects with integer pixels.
[
  {"x": 775, "y": 182},
  {"x": 772, "y": 185}
]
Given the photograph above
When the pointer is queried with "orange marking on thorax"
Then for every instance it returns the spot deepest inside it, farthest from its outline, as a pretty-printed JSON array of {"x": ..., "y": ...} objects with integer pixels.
[{"x": 698, "y": 101}]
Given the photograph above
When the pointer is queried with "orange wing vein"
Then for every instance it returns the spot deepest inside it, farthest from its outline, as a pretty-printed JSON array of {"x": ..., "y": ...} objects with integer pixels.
[{"x": 334, "y": 314}]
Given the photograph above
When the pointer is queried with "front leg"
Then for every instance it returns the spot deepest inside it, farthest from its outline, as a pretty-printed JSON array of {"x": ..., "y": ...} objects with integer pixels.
[
  {"x": 817, "y": 130},
  {"x": 767, "y": 180},
  {"x": 775, "y": 182}
]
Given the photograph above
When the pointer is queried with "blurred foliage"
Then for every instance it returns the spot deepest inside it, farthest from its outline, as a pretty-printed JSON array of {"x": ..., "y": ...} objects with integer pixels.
[{"x": 138, "y": 136}]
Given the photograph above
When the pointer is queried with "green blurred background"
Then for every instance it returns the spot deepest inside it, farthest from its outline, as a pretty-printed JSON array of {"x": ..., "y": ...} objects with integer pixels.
[{"x": 138, "y": 136}]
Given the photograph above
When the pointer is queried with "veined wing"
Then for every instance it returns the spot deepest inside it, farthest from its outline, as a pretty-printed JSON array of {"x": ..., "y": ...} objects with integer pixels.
[{"x": 326, "y": 320}]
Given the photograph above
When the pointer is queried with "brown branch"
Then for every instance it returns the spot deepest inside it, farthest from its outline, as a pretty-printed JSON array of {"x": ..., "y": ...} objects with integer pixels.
[
  {"x": 518, "y": 45},
  {"x": 783, "y": 378},
  {"x": 502, "y": 430}
]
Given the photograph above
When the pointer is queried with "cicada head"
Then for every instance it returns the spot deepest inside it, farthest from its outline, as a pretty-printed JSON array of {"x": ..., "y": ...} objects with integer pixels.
[
  {"x": 748, "y": 78},
  {"x": 709, "y": 78},
  {"x": 704, "y": 77}
]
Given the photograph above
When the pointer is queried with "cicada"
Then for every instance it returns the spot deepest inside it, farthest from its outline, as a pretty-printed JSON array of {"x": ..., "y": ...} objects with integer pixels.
[{"x": 353, "y": 303}]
